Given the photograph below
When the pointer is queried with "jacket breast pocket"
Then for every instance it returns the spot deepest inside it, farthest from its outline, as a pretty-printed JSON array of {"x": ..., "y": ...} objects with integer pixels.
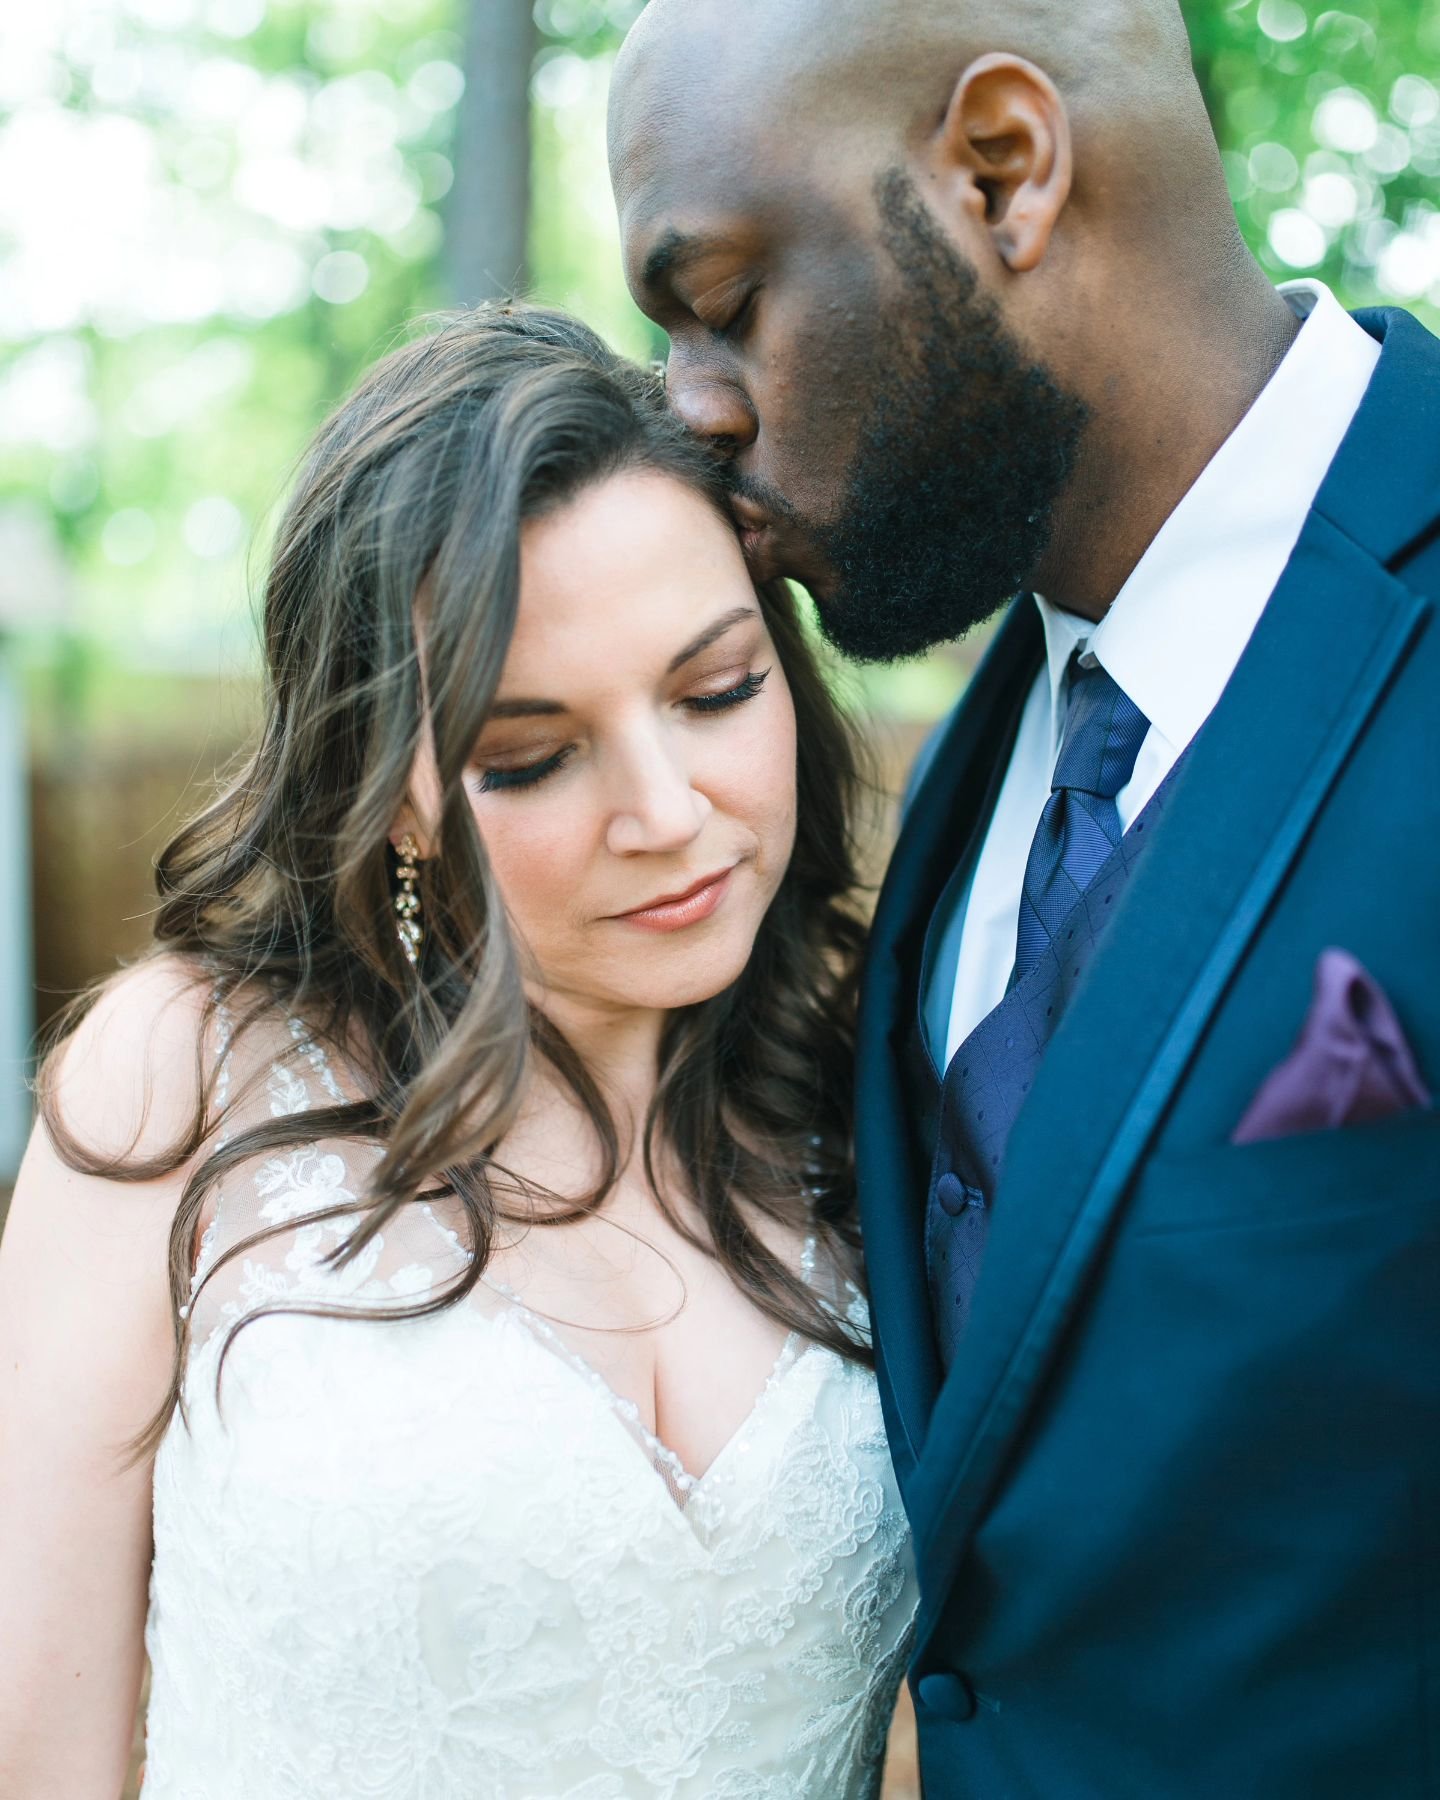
[{"x": 1322, "y": 1177}]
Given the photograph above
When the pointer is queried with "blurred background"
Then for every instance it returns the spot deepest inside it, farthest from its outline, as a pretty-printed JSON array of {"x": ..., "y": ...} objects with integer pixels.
[{"x": 214, "y": 213}]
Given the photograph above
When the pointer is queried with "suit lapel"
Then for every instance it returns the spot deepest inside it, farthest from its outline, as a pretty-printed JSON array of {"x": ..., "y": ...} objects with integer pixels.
[
  {"x": 943, "y": 815},
  {"x": 1381, "y": 491},
  {"x": 1334, "y": 630}
]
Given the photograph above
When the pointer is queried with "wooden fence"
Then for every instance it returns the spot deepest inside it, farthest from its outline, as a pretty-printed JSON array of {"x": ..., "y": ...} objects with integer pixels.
[{"x": 109, "y": 783}]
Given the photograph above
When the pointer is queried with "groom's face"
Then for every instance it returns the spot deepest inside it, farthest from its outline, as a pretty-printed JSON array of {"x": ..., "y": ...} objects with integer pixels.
[
  {"x": 892, "y": 444},
  {"x": 745, "y": 281}
]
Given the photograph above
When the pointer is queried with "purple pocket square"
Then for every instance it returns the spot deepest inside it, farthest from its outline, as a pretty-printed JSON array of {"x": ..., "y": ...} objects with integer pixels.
[{"x": 1350, "y": 1065}]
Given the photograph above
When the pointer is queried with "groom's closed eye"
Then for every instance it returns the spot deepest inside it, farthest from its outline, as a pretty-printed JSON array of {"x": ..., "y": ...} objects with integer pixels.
[
  {"x": 713, "y": 280},
  {"x": 725, "y": 306}
]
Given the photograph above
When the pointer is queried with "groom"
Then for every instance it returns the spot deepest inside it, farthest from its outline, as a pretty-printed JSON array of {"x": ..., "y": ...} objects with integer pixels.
[{"x": 1150, "y": 1175}]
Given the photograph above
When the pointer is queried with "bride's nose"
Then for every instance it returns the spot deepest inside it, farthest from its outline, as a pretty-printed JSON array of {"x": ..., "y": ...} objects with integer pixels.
[{"x": 656, "y": 807}]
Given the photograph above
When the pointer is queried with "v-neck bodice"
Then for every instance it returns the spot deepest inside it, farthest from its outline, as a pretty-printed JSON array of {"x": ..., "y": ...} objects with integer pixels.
[{"x": 681, "y": 1481}]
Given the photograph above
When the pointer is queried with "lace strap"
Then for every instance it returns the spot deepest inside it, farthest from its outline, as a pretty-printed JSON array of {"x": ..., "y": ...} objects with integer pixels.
[{"x": 224, "y": 1026}]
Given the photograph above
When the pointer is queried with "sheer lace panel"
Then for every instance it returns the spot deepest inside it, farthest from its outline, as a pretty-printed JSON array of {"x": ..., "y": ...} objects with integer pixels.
[
  {"x": 278, "y": 1069},
  {"x": 275, "y": 1070}
]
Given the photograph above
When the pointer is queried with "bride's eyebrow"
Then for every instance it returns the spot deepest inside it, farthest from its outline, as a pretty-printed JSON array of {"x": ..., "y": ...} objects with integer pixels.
[
  {"x": 524, "y": 709},
  {"x": 726, "y": 622}
]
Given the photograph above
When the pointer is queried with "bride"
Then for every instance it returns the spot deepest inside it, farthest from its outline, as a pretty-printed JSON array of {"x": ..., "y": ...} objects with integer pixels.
[{"x": 429, "y": 1320}]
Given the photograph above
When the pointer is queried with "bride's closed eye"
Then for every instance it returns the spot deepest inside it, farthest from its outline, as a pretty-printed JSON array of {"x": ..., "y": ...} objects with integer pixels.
[
  {"x": 496, "y": 780},
  {"x": 745, "y": 689},
  {"x": 493, "y": 781}
]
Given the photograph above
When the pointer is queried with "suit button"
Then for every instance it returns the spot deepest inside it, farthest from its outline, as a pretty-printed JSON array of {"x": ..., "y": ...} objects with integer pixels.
[
  {"x": 954, "y": 1196},
  {"x": 948, "y": 1695}
]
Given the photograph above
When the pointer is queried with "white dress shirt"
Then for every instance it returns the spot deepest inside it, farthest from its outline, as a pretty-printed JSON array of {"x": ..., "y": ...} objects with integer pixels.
[{"x": 1173, "y": 634}]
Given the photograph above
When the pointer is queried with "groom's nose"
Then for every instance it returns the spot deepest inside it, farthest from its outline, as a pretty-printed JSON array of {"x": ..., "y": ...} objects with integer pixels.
[{"x": 713, "y": 408}]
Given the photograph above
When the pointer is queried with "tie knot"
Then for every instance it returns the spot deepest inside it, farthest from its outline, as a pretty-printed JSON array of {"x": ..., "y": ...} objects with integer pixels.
[{"x": 1104, "y": 730}]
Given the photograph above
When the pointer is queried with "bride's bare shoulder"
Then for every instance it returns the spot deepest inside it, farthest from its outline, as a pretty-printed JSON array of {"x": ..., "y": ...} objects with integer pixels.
[
  {"x": 137, "y": 1068},
  {"x": 167, "y": 1047},
  {"x": 127, "y": 1079},
  {"x": 85, "y": 1258},
  {"x": 131, "y": 1100}
]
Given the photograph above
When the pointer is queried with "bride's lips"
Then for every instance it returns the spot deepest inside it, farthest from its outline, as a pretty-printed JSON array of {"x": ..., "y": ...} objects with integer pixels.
[{"x": 672, "y": 911}]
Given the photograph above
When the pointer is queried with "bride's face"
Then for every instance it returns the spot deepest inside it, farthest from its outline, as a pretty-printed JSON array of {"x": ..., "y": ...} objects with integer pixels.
[{"x": 635, "y": 783}]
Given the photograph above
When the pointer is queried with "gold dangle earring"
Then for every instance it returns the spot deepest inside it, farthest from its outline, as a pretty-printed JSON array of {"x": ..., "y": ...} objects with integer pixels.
[{"x": 407, "y": 901}]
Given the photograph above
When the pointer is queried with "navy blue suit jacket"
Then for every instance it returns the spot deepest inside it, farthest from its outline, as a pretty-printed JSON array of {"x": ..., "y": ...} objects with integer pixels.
[{"x": 1177, "y": 1505}]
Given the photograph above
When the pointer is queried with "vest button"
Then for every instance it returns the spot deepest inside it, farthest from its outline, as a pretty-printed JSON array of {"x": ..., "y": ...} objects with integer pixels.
[
  {"x": 948, "y": 1695},
  {"x": 954, "y": 1196}
]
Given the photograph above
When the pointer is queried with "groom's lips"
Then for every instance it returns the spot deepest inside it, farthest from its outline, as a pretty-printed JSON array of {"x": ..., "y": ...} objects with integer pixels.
[
  {"x": 777, "y": 547},
  {"x": 763, "y": 541},
  {"x": 754, "y": 543},
  {"x": 755, "y": 524}
]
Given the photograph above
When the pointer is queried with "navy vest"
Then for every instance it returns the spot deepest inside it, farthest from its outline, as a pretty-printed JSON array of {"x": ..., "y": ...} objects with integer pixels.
[{"x": 969, "y": 1115}]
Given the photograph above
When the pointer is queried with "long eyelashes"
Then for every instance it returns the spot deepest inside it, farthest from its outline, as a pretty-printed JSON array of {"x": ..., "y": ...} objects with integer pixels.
[
  {"x": 499, "y": 781},
  {"x": 735, "y": 696}
]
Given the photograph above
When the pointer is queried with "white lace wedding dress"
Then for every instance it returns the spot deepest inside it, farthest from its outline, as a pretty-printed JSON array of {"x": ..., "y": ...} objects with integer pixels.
[{"x": 439, "y": 1559}]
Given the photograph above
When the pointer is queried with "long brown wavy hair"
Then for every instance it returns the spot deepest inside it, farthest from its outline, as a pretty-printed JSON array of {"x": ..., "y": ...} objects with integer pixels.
[{"x": 279, "y": 893}]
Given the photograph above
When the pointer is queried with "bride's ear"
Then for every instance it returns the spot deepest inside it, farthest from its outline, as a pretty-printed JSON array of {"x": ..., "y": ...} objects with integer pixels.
[
  {"x": 404, "y": 826},
  {"x": 421, "y": 802},
  {"x": 1002, "y": 158}
]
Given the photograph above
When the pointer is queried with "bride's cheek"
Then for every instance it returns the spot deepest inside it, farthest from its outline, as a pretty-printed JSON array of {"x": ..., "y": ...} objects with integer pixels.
[
  {"x": 538, "y": 864},
  {"x": 764, "y": 784}
]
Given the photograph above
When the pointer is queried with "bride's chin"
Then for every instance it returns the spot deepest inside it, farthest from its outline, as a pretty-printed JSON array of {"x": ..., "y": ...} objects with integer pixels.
[
  {"x": 673, "y": 970},
  {"x": 663, "y": 991}
]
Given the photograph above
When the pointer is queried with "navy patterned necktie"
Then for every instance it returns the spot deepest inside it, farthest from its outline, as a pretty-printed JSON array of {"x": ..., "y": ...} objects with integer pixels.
[{"x": 1080, "y": 826}]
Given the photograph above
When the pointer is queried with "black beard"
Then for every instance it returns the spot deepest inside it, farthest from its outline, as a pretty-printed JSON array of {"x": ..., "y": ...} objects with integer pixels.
[{"x": 967, "y": 445}]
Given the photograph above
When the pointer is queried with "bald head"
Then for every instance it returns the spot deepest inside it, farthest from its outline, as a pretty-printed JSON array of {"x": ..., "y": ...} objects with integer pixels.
[
  {"x": 714, "y": 96},
  {"x": 807, "y": 33},
  {"x": 754, "y": 66}
]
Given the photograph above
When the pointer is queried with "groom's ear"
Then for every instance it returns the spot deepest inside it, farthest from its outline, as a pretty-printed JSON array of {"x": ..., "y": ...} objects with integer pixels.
[{"x": 1002, "y": 157}]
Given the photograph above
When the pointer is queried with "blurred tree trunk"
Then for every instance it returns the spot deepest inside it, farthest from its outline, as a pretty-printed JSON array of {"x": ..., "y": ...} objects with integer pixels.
[{"x": 490, "y": 202}]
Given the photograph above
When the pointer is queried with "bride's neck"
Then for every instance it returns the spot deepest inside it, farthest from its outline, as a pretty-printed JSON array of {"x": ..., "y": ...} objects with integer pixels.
[
  {"x": 552, "y": 1143},
  {"x": 619, "y": 1047}
]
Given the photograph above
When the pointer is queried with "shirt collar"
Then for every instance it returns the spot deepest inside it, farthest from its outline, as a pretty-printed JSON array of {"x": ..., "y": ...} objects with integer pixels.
[
  {"x": 1065, "y": 633},
  {"x": 1203, "y": 583}
]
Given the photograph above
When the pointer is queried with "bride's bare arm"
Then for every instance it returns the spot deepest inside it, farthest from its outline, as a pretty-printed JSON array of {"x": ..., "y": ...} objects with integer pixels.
[{"x": 85, "y": 1358}]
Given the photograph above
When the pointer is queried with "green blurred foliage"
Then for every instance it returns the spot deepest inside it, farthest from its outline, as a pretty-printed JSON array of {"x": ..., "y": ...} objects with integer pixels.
[
  {"x": 146, "y": 444},
  {"x": 150, "y": 417},
  {"x": 585, "y": 27},
  {"x": 574, "y": 242},
  {"x": 1329, "y": 123}
]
